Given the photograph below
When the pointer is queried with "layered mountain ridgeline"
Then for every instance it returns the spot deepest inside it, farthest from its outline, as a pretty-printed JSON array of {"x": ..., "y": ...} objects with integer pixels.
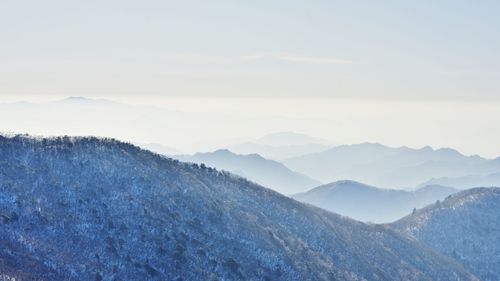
[
  {"x": 93, "y": 209},
  {"x": 282, "y": 145},
  {"x": 263, "y": 171},
  {"x": 468, "y": 181},
  {"x": 370, "y": 204},
  {"x": 277, "y": 153},
  {"x": 465, "y": 226},
  {"x": 379, "y": 165}
]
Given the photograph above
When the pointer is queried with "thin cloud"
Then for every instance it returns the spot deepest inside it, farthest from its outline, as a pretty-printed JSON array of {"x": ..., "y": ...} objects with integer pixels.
[
  {"x": 297, "y": 58},
  {"x": 193, "y": 58},
  {"x": 316, "y": 60},
  {"x": 255, "y": 56},
  {"x": 211, "y": 59}
]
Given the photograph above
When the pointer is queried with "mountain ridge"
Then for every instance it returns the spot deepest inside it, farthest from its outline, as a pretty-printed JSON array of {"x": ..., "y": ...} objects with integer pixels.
[
  {"x": 266, "y": 172},
  {"x": 380, "y": 165},
  {"x": 371, "y": 204},
  {"x": 464, "y": 226},
  {"x": 101, "y": 209},
  {"x": 282, "y": 145}
]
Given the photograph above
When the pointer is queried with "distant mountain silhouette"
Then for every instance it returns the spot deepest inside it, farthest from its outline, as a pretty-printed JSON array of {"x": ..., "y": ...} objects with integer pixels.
[
  {"x": 465, "y": 226},
  {"x": 277, "y": 153},
  {"x": 85, "y": 101},
  {"x": 282, "y": 145},
  {"x": 92, "y": 209},
  {"x": 266, "y": 172},
  {"x": 380, "y": 165},
  {"x": 469, "y": 181},
  {"x": 371, "y": 204}
]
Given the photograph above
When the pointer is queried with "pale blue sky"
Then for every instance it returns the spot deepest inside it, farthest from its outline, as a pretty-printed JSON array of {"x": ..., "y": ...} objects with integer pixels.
[{"x": 336, "y": 49}]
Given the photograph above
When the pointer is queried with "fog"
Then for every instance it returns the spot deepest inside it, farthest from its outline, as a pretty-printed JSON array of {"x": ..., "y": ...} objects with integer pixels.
[{"x": 203, "y": 124}]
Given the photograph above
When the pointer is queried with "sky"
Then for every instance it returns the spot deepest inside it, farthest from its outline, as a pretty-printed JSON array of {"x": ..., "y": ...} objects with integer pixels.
[
  {"x": 398, "y": 72},
  {"x": 329, "y": 49}
]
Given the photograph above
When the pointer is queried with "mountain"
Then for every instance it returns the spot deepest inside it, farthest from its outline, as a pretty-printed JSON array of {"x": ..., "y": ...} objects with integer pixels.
[
  {"x": 367, "y": 203},
  {"x": 380, "y": 165},
  {"x": 468, "y": 181},
  {"x": 265, "y": 172},
  {"x": 282, "y": 145},
  {"x": 465, "y": 226},
  {"x": 277, "y": 153},
  {"x": 99, "y": 209},
  {"x": 83, "y": 101}
]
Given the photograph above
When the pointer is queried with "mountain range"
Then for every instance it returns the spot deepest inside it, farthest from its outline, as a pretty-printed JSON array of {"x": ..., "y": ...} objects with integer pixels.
[
  {"x": 371, "y": 204},
  {"x": 465, "y": 226},
  {"x": 282, "y": 145},
  {"x": 100, "y": 209},
  {"x": 397, "y": 168},
  {"x": 256, "y": 168},
  {"x": 316, "y": 158},
  {"x": 468, "y": 181}
]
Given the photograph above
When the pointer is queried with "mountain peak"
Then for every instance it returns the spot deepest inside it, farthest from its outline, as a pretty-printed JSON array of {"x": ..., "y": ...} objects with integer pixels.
[
  {"x": 254, "y": 167},
  {"x": 342, "y": 186},
  {"x": 351, "y": 185},
  {"x": 80, "y": 100},
  {"x": 369, "y": 203},
  {"x": 223, "y": 151}
]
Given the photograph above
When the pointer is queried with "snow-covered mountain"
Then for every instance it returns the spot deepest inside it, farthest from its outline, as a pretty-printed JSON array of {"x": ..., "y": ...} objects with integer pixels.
[
  {"x": 371, "y": 204},
  {"x": 99, "y": 209},
  {"x": 263, "y": 171},
  {"x": 465, "y": 226},
  {"x": 379, "y": 165}
]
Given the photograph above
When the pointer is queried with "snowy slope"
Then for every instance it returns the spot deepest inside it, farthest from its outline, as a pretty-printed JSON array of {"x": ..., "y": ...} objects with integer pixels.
[
  {"x": 465, "y": 226},
  {"x": 93, "y": 209}
]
